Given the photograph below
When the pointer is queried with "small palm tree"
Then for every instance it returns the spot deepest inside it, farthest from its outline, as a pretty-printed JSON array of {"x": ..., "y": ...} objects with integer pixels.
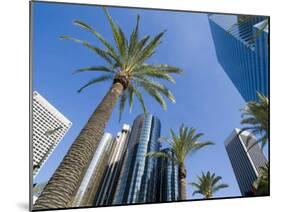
[
  {"x": 182, "y": 146},
  {"x": 261, "y": 185},
  {"x": 256, "y": 114},
  {"x": 208, "y": 185},
  {"x": 128, "y": 73}
]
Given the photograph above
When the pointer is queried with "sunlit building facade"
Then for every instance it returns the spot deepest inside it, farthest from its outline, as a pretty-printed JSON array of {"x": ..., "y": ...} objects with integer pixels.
[
  {"x": 92, "y": 179},
  {"x": 48, "y": 128},
  {"x": 111, "y": 175},
  {"x": 138, "y": 177},
  {"x": 242, "y": 49},
  {"x": 245, "y": 161}
]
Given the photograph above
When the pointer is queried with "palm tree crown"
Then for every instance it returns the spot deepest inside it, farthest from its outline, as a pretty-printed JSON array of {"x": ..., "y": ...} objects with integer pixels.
[
  {"x": 261, "y": 185},
  {"x": 208, "y": 184},
  {"x": 125, "y": 64},
  {"x": 255, "y": 114},
  {"x": 182, "y": 145}
]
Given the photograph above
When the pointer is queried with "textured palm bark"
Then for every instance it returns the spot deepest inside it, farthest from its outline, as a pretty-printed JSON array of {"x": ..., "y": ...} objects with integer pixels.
[
  {"x": 66, "y": 179},
  {"x": 182, "y": 176}
]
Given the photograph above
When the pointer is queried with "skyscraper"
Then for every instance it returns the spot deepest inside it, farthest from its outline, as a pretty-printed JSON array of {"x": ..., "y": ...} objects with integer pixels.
[
  {"x": 168, "y": 181},
  {"x": 138, "y": 178},
  {"x": 87, "y": 190},
  {"x": 49, "y": 127},
  {"x": 242, "y": 52},
  {"x": 245, "y": 161},
  {"x": 111, "y": 175}
]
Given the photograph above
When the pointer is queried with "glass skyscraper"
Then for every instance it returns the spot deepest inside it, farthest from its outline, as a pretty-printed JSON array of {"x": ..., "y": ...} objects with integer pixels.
[
  {"x": 245, "y": 161},
  {"x": 242, "y": 52},
  {"x": 138, "y": 177},
  {"x": 168, "y": 181}
]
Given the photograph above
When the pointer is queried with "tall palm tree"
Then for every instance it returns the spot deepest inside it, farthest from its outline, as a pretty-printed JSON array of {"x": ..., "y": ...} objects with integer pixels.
[
  {"x": 207, "y": 185},
  {"x": 261, "y": 185},
  {"x": 256, "y": 115},
  {"x": 127, "y": 71},
  {"x": 182, "y": 146}
]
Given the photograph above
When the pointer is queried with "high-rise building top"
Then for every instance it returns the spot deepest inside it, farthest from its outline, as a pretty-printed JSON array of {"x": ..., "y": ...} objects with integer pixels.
[
  {"x": 245, "y": 161},
  {"x": 242, "y": 50},
  {"x": 138, "y": 177},
  {"x": 49, "y": 127}
]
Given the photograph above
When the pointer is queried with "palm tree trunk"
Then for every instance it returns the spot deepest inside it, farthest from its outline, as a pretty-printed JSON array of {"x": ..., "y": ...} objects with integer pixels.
[
  {"x": 66, "y": 179},
  {"x": 182, "y": 177}
]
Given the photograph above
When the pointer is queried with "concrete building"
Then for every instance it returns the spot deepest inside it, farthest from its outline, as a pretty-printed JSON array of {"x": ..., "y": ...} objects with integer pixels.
[
  {"x": 111, "y": 176},
  {"x": 245, "y": 161},
  {"x": 242, "y": 53},
  {"x": 92, "y": 179},
  {"x": 49, "y": 127}
]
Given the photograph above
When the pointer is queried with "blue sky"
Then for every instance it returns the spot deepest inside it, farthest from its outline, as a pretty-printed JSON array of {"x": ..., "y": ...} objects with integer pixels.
[{"x": 205, "y": 97}]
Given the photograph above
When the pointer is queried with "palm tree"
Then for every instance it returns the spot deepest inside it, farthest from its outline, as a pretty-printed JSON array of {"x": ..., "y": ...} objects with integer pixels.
[
  {"x": 261, "y": 185},
  {"x": 182, "y": 146},
  {"x": 208, "y": 185},
  {"x": 127, "y": 71},
  {"x": 256, "y": 114}
]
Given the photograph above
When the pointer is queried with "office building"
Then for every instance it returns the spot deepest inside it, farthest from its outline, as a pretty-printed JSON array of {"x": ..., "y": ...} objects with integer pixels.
[
  {"x": 168, "y": 182},
  {"x": 245, "y": 161},
  {"x": 49, "y": 127},
  {"x": 241, "y": 44},
  {"x": 111, "y": 175},
  {"x": 138, "y": 177},
  {"x": 89, "y": 185}
]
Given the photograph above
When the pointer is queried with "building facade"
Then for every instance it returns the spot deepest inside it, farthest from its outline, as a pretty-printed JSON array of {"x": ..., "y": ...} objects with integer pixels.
[
  {"x": 245, "y": 161},
  {"x": 242, "y": 49},
  {"x": 49, "y": 127},
  {"x": 107, "y": 188},
  {"x": 138, "y": 177},
  {"x": 168, "y": 181},
  {"x": 89, "y": 185}
]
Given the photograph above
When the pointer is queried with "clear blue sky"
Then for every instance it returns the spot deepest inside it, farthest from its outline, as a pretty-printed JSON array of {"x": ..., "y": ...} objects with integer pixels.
[{"x": 205, "y": 97}]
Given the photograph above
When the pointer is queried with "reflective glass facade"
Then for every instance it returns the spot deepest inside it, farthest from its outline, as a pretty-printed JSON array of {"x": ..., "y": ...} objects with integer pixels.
[
  {"x": 242, "y": 52},
  {"x": 245, "y": 163},
  {"x": 168, "y": 181},
  {"x": 138, "y": 178}
]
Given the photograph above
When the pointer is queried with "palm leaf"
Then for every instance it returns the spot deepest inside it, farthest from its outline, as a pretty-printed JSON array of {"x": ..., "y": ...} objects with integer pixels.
[
  {"x": 103, "y": 54},
  {"x": 100, "y": 37},
  {"x": 117, "y": 34},
  {"x": 95, "y": 68},
  {"x": 93, "y": 81}
]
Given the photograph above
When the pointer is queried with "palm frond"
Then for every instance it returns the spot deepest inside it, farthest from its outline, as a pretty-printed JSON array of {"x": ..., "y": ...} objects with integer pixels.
[
  {"x": 215, "y": 189},
  {"x": 117, "y": 34},
  {"x": 134, "y": 37},
  {"x": 96, "y": 80},
  {"x": 99, "y": 36},
  {"x": 150, "y": 47},
  {"x": 96, "y": 68},
  {"x": 139, "y": 97},
  {"x": 103, "y": 54},
  {"x": 144, "y": 82}
]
